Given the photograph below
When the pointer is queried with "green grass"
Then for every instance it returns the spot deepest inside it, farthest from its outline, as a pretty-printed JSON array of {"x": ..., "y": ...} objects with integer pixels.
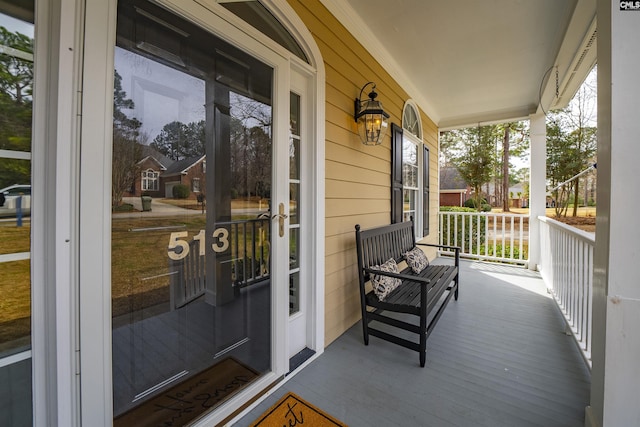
[
  {"x": 15, "y": 285},
  {"x": 15, "y": 301},
  {"x": 15, "y": 239}
]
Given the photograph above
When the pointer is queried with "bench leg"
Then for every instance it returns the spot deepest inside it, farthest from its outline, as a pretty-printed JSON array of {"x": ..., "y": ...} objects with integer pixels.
[
  {"x": 365, "y": 334},
  {"x": 365, "y": 330},
  {"x": 455, "y": 295},
  {"x": 423, "y": 339}
]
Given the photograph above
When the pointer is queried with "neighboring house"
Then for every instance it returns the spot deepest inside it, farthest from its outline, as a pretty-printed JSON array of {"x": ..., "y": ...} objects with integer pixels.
[
  {"x": 454, "y": 190},
  {"x": 190, "y": 172},
  {"x": 516, "y": 195},
  {"x": 150, "y": 167}
]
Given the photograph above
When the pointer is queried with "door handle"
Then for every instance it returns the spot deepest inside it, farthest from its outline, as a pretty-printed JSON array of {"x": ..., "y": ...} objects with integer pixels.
[{"x": 281, "y": 217}]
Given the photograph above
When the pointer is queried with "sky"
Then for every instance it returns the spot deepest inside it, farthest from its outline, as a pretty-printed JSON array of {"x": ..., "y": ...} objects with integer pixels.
[{"x": 15, "y": 25}]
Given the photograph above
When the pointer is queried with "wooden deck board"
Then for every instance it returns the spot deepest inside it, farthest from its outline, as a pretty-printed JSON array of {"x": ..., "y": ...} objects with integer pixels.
[{"x": 498, "y": 357}]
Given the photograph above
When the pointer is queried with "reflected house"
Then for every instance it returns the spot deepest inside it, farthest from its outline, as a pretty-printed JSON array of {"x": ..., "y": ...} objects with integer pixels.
[
  {"x": 189, "y": 172},
  {"x": 149, "y": 168},
  {"x": 157, "y": 175}
]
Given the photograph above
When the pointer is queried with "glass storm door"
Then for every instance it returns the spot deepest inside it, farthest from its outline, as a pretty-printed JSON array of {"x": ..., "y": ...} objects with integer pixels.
[
  {"x": 16, "y": 84},
  {"x": 191, "y": 219}
]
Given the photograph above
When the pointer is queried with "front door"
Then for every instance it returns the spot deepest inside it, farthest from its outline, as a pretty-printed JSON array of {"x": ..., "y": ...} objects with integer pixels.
[{"x": 195, "y": 223}]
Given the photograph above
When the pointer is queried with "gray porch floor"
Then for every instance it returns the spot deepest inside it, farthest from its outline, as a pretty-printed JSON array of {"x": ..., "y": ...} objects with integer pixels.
[{"x": 497, "y": 357}]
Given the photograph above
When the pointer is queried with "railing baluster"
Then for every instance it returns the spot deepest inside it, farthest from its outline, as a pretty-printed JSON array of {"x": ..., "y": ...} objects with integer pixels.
[
  {"x": 478, "y": 243},
  {"x": 455, "y": 231},
  {"x": 521, "y": 239},
  {"x": 512, "y": 234},
  {"x": 470, "y": 234},
  {"x": 486, "y": 235}
]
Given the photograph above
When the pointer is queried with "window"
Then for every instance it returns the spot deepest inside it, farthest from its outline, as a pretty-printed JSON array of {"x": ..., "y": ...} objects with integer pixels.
[
  {"x": 410, "y": 172},
  {"x": 195, "y": 185},
  {"x": 411, "y": 121},
  {"x": 149, "y": 180},
  {"x": 410, "y": 178}
]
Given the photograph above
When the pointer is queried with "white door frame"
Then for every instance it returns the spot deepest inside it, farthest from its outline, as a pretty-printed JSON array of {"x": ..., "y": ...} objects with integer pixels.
[{"x": 95, "y": 197}]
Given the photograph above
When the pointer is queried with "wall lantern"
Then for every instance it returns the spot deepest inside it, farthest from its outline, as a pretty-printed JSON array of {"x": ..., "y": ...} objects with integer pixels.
[{"x": 371, "y": 118}]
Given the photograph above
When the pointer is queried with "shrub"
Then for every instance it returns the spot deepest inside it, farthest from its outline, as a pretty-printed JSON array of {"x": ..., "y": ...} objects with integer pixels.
[
  {"x": 507, "y": 251},
  {"x": 471, "y": 203},
  {"x": 125, "y": 207},
  {"x": 180, "y": 191},
  {"x": 486, "y": 207},
  {"x": 456, "y": 209}
]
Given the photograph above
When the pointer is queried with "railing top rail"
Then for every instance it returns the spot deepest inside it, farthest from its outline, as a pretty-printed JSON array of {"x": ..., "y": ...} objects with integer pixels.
[
  {"x": 499, "y": 214},
  {"x": 575, "y": 232}
]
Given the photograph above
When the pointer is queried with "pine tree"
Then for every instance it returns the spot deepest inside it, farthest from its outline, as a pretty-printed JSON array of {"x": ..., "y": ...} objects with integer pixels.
[{"x": 126, "y": 149}]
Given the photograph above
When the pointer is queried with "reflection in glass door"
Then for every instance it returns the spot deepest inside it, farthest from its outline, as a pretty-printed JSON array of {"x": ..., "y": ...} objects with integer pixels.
[
  {"x": 16, "y": 85},
  {"x": 191, "y": 228}
]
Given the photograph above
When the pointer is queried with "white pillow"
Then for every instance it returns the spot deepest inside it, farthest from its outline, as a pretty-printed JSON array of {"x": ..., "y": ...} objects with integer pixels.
[
  {"x": 416, "y": 259},
  {"x": 384, "y": 285}
]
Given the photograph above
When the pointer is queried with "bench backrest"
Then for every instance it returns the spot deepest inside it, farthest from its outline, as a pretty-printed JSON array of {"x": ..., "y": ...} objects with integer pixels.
[{"x": 376, "y": 245}]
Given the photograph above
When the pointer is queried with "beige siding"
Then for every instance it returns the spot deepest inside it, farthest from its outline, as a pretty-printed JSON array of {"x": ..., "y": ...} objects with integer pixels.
[{"x": 357, "y": 184}]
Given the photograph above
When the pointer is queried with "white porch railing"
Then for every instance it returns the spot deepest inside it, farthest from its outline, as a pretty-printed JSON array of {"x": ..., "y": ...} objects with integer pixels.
[
  {"x": 567, "y": 269},
  {"x": 486, "y": 236}
]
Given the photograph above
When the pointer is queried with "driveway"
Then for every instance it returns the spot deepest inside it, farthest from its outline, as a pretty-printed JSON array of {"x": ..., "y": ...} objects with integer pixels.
[{"x": 158, "y": 209}]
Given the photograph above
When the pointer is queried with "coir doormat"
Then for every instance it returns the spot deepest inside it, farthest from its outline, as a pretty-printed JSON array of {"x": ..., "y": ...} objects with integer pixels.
[
  {"x": 188, "y": 400},
  {"x": 291, "y": 410}
]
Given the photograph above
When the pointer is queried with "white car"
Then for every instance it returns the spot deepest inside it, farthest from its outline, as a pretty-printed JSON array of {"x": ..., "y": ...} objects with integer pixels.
[{"x": 10, "y": 194}]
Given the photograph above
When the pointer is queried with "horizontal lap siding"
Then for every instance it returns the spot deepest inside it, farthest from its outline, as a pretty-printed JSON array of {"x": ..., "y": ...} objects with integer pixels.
[{"x": 357, "y": 177}]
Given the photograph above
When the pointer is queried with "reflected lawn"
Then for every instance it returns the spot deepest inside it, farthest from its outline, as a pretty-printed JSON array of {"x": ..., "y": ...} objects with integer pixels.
[
  {"x": 15, "y": 304},
  {"x": 139, "y": 272},
  {"x": 14, "y": 239},
  {"x": 140, "y": 264}
]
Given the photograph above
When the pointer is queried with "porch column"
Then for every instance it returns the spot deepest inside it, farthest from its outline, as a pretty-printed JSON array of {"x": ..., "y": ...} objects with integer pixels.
[
  {"x": 616, "y": 292},
  {"x": 537, "y": 184}
]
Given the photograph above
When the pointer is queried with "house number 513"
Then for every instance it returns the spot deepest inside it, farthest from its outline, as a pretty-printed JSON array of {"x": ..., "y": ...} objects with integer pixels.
[{"x": 179, "y": 248}]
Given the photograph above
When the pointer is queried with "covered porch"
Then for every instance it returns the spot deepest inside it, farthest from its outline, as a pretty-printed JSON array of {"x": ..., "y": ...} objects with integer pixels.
[{"x": 499, "y": 356}]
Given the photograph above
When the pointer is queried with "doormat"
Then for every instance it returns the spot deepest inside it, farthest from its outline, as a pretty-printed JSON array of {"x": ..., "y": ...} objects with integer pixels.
[
  {"x": 188, "y": 400},
  {"x": 290, "y": 410}
]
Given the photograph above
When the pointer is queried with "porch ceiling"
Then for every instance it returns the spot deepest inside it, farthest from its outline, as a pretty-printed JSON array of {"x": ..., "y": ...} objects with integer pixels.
[{"x": 468, "y": 62}]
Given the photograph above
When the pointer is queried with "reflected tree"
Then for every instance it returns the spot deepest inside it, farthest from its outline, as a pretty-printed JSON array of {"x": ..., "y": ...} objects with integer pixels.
[
  {"x": 126, "y": 148},
  {"x": 16, "y": 77},
  {"x": 251, "y": 147},
  {"x": 180, "y": 141}
]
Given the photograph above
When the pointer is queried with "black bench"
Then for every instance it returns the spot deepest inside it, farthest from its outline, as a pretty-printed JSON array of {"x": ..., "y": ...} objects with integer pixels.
[{"x": 424, "y": 295}]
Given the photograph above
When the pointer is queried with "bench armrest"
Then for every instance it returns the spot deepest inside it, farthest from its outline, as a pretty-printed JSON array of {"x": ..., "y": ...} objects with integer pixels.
[
  {"x": 455, "y": 248},
  {"x": 398, "y": 275},
  {"x": 435, "y": 245}
]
